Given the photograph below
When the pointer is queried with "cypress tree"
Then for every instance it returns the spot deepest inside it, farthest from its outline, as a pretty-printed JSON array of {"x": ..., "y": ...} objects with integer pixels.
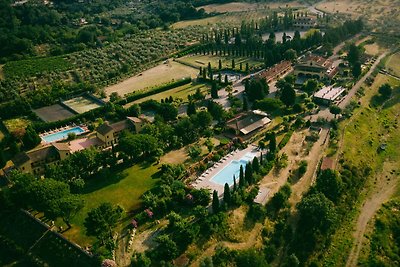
[
  {"x": 201, "y": 71},
  {"x": 233, "y": 63},
  {"x": 248, "y": 173},
  {"x": 226, "y": 79},
  {"x": 215, "y": 202},
  {"x": 245, "y": 104},
  {"x": 261, "y": 159},
  {"x": 234, "y": 183},
  {"x": 256, "y": 165},
  {"x": 227, "y": 194},
  {"x": 241, "y": 177},
  {"x": 204, "y": 74},
  {"x": 220, "y": 64},
  {"x": 241, "y": 66},
  {"x": 214, "y": 90}
]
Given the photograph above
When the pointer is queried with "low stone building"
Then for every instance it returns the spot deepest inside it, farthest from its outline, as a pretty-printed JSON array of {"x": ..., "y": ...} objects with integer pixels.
[{"x": 247, "y": 124}]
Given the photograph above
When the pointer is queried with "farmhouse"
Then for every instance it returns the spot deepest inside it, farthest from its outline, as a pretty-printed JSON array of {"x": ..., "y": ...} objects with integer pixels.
[
  {"x": 276, "y": 71},
  {"x": 109, "y": 133},
  {"x": 313, "y": 66},
  {"x": 328, "y": 94},
  {"x": 36, "y": 161},
  {"x": 246, "y": 125},
  {"x": 304, "y": 22}
]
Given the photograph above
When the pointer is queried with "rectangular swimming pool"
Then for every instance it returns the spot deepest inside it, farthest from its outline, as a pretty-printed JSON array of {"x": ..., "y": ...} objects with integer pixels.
[
  {"x": 233, "y": 168},
  {"x": 61, "y": 135}
]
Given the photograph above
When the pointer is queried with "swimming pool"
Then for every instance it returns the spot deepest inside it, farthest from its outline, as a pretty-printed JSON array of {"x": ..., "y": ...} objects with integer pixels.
[
  {"x": 62, "y": 134},
  {"x": 233, "y": 168}
]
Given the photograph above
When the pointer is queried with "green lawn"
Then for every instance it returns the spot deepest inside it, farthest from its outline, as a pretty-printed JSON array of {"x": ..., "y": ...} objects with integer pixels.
[
  {"x": 179, "y": 92},
  {"x": 124, "y": 188},
  {"x": 202, "y": 61},
  {"x": 393, "y": 64}
]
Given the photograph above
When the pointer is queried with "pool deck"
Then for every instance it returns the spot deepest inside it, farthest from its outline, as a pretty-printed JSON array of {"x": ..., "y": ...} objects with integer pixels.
[
  {"x": 204, "y": 180},
  {"x": 61, "y": 129}
]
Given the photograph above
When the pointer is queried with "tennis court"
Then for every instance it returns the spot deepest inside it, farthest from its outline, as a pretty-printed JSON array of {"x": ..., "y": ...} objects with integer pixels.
[
  {"x": 82, "y": 104},
  {"x": 53, "y": 113}
]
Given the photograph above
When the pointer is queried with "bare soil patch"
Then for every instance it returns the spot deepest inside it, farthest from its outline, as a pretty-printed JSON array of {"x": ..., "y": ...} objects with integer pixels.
[{"x": 175, "y": 156}]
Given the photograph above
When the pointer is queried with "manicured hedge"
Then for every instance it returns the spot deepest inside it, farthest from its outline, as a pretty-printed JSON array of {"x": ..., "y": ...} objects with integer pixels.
[{"x": 285, "y": 139}]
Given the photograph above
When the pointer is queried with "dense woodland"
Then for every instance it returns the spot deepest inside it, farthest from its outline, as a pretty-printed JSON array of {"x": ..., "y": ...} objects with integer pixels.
[{"x": 58, "y": 26}]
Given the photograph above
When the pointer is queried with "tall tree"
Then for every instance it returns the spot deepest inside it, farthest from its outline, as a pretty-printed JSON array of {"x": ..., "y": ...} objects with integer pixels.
[
  {"x": 101, "y": 220},
  {"x": 214, "y": 90},
  {"x": 191, "y": 108},
  {"x": 288, "y": 95},
  {"x": 241, "y": 177},
  {"x": 330, "y": 184},
  {"x": 248, "y": 175},
  {"x": 215, "y": 202},
  {"x": 227, "y": 194},
  {"x": 256, "y": 165},
  {"x": 30, "y": 139}
]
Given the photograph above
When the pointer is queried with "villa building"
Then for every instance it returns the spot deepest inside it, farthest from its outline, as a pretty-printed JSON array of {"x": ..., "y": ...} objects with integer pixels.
[
  {"x": 312, "y": 66},
  {"x": 246, "y": 125},
  {"x": 36, "y": 160},
  {"x": 276, "y": 71},
  {"x": 304, "y": 23},
  {"x": 109, "y": 133}
]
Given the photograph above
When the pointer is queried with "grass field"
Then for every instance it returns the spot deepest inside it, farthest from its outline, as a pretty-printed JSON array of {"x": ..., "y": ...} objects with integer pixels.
[
  {"x": 393, "y": 64},
  {"x": 181, "y": 92},
  {"x": 202, "y": 61},
  {"x": 371, "y": 128},
  {"x": 368, "y": 128},
  {"x": 156, "y": 76},
  {"x": 124, "y": 188},
  {"x": 81, "y": 104},
  {"x": 53, "y": 113}
]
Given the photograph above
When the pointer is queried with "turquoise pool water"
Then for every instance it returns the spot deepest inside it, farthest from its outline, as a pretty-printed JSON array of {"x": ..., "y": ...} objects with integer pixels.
[
  {"x": 62, "y": 134},
  {"x": 233, "y": 168}
]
